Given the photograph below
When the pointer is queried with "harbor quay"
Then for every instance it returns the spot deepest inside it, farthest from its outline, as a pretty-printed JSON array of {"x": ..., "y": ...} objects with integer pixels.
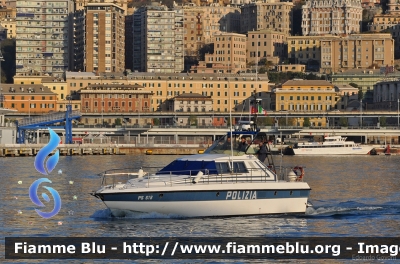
[{"x": 187, "y": 141}]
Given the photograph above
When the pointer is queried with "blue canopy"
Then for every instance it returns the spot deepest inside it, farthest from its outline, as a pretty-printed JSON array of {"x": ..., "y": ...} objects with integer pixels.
[{"x": 189, "y": 167}]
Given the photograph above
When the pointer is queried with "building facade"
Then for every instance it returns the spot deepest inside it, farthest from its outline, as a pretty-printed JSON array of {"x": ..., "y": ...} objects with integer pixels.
[
  {"x": 387, "y": 95},
  {"x": 276, "y": 16},
  {"x": 331, "y": 17},
  {"x": 29, "y": 98},
  {"x": 10, "y": 25},
  {"x": 201, "y": 23},
  {"x": 115, "y": 98},
  {"x": 238, "y": 87},
  {"x": 301, "y": 49},
  {"x": 44, "y": 35},
  {"x": 388, "y": 23},
  {"x": 158, "y": 39},
  {"x": 229, "y": 54},
  {"x": 104, "y": 38},
  {"x": 306, "y": 95},
  {"x": 356, "y": 51},
  {"x": 270, "y": 45},
  {"x": 190, "y": 102}
]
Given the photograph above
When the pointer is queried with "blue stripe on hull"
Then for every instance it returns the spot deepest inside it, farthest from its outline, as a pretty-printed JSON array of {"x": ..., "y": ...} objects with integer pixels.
[{"x": 204, "y": 195}]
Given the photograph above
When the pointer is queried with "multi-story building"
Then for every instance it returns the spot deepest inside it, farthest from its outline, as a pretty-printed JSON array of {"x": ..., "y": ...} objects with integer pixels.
[
  {"x": 158, "y": 39},
  {"x": 388, "y": 23},
  {"x": 306, "y": 95},
  {"x": 229, "y": 55},
  {"x": 109, "y": 98},
  {"x": 270, "y": 45},
  {"x": 386, "y": 95},
  {"x": 190, "y": 102},
  {"x": 29, "y": 98},
  {"x": 10, "y": 25},
  {"x": 331, "y": 17},
  {"x": 44, "y": 36},
  {"x": 201, "y": 23},
  {"x": 302, "y": 49},
  {"x": 104, "y": 38},
  {"x": 267, "y": 15},
  {"x": 356, "y": 51},
  {"x": 238, "y": 87}
]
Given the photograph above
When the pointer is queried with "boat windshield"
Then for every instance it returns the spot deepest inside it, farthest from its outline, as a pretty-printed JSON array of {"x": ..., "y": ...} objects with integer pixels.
[{"x": 241, "y": 142}]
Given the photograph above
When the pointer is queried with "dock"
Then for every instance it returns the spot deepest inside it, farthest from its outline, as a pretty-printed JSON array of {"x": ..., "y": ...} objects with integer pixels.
[{"x": 26, "y": 150}]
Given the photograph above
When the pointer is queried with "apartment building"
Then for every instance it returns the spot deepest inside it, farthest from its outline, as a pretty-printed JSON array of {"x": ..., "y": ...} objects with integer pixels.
[
  {"x": 302, "y": 49},
  {"x": 105, "y": 98},
  {"x": 388, "y": 23},
  {"x": 331, "y": 17},
  {"x": 201, "y": 23},
  {"x": 356, "y": 51},
  {"x": 238, "y": 87},
  {"x": 270, "y": 45},
  {"x": 104, "y": 38},
  {"x": 44, "y": 35},
  {"x": 29, "y": 98},
  {"x": 306, "y": 95},
  {"x": 158, "y": 39},
  {"x": 10, "y": 25},
  {"x": 267, "y": 15},
  {"x": 229, "y": 55}
]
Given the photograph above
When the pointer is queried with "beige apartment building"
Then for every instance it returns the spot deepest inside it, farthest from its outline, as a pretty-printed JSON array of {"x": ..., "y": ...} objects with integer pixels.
[
  {"x": 301, "y": 49},
  {"x": 238, "y": 87},
  {"x": 267, "y": 15},
  {"x": 388, "y": 23},
  {"x": 270, "y": 45},
  {"x": 105, "y": 38},
  {"x": 202, "y": 22},
  {"x": 10, "y": 25},
  {"x": 229, "y": 54},
  {"x": 331, "y": 17},
  {"x": 356, "y": 51}
]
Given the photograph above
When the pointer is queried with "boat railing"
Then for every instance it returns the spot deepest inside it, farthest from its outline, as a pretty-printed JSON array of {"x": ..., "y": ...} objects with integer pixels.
[{"x": 153, "y": 175}]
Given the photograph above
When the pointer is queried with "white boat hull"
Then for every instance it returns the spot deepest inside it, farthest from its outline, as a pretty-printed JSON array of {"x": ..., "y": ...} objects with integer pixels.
[
  {"x": 214, "y": 208},
  {"x": 360, "y": 150},
  {"x": 206, "y": 200}
]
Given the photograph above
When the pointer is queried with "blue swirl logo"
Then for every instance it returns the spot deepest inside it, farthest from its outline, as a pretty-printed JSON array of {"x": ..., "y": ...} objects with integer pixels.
[
  {"x": 45, "y": 151},
  {"x": 35, "y": 199},
  {"x": 40, "y": 167}
]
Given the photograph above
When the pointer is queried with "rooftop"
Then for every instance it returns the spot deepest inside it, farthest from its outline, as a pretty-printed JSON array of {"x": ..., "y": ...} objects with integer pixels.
[
  {"x": 25, "y": 89},
  {"x": 299, "y": 82}
]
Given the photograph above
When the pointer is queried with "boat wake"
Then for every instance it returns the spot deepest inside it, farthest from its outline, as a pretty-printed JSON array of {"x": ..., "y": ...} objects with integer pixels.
[
  {"x": 121, "y": 214},
  {"x": 335, "y": 210}
]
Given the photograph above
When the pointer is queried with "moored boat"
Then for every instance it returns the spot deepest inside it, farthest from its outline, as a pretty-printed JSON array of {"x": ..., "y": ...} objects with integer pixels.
[{"x": 332, "y": 145}]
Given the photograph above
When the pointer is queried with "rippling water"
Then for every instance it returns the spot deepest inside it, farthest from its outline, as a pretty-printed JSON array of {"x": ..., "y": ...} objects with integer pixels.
[{"x": 352, "y": 196}]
